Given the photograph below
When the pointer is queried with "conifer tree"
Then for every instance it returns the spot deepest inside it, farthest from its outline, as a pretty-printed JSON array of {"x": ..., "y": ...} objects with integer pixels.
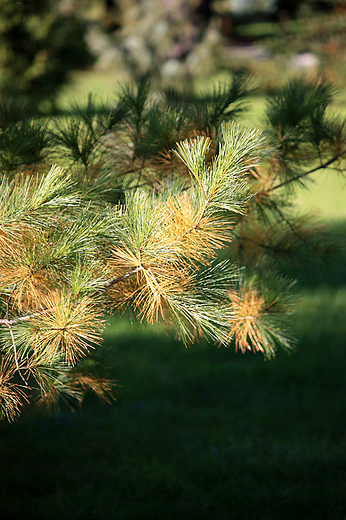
[
  {"x": 161, "y": 204},
  {"x": 40, "y": 44}
]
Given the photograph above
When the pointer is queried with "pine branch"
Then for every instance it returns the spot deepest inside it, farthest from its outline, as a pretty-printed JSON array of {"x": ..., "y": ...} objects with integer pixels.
[
  {"x": 68, "y": 253},
  {"x": 9, "y": 322},
  {"x": 123, "y": 277},
  {"x": 305, "y": 174},
  {"x": 16, "y": 357}
]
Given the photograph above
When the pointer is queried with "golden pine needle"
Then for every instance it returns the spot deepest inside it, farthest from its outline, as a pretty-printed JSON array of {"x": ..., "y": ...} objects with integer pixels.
[
  {"x": 163, "y": 263},
  {"x": 248, "y": 307},
  {"x": 12, "y": 395},
  {"x": 31, "y": 287},
  {"x": 191, "y": 231},
  {"x": 66, "y": 328},
  {"x": 100, "y": 386},
  {"x": 156, "y": 279}
]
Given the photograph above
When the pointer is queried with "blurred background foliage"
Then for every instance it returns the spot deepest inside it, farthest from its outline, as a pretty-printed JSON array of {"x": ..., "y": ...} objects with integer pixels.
[
  {"x": 176, "y": 41},
  {"x": 40, "y": 43}
]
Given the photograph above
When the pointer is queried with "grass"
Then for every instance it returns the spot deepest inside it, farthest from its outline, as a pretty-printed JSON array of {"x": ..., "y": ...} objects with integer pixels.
[
  {"x": 200, "y": 433},
  {"x": 195, "y": 433},
  {"x": 324, "y": 196},
  {"x": 258, "y": 30},
  {"x": 103, "y": 85}
]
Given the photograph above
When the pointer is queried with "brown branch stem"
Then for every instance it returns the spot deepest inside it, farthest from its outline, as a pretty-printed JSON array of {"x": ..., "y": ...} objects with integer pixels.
[
  {"x": 8, "y": 301},
  {"x": 8, "y": 323},
  {"x": 16, "y": 357},
  {"x": 260, "y": 244},
  {"x": 121, "y": 278},
  {"x": 305, "y": 174}
]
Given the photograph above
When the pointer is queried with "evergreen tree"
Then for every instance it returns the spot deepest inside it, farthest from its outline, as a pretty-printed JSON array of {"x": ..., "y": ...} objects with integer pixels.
[
  {"x": 161, "y": 204},
  {"x": 39, "y": 46}
]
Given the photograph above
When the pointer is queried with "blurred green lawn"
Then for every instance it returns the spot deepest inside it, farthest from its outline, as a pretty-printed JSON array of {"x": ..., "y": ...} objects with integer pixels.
[{"x": 199, "y": 433}]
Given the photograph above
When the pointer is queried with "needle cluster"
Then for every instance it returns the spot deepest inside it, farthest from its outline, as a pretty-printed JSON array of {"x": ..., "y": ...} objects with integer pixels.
[{"x": 163, "y": 205}]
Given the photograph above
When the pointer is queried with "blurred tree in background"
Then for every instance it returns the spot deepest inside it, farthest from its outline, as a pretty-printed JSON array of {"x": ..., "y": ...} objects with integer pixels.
[
  {"x": 39, "y": 45},
  {"x": 179, "y": 40},
  {"x": 175, "y": 41}
]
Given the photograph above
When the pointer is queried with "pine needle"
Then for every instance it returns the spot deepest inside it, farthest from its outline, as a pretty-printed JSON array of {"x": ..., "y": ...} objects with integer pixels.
[
  {"x": 66, "y": 328},
  {"x": 12, "y": 395}
]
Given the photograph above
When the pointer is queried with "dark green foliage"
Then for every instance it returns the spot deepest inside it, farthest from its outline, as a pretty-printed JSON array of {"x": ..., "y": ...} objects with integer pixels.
[
  {"x": 134, "y": 99},
  {"x": 208, "y": 111},
  {"x": 12, "y": 110},
  {"x": 77, "y": 139},
  {"x": 39, "y": 46},
  {"x": 298, "y": 119},
  {"x": 24, "y": 144}
]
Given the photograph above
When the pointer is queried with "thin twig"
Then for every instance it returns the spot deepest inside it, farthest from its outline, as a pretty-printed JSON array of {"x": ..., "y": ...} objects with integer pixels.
[
  {"x": 8, "y": 301},
  {"x": 294, "y": 231},
  {"x": 121, "y": 278},
  {"x": 16, "y": 358},
  {"x": 260, "y": 244},
  {"x": 301, "y": 175},
  {"x": 8, "y": 323}
]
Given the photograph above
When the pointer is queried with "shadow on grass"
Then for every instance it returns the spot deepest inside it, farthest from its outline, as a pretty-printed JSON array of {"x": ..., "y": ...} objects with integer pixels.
[
  {"x": 331, "y": 272},
  {"x": 199, "y": 433}
]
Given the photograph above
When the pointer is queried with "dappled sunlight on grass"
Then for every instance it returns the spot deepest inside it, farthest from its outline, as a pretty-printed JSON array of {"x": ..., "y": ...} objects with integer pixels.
[{"x": 103, "y": 85}]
